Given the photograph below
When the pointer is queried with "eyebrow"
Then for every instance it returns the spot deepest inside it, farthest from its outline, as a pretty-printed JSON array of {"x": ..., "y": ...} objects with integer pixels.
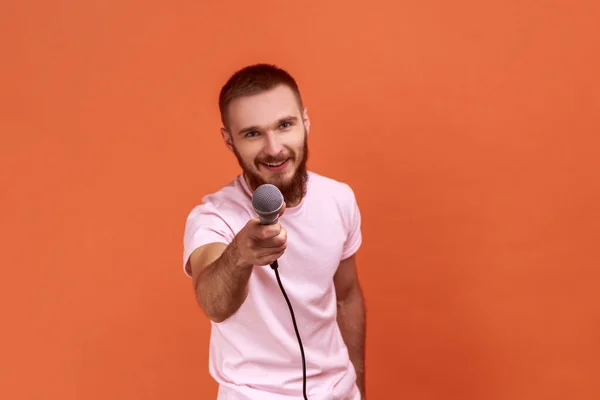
[{"x": 280, "y": 121}]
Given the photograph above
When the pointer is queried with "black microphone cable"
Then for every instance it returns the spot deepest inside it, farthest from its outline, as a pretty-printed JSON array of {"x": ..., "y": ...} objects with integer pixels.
[
  {"x": 275, "y": 266},
  {"x": 268, "y": 201}
]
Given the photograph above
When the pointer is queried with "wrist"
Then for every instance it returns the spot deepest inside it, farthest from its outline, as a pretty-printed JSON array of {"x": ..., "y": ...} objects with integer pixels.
[{"x": 235, "y": 259}]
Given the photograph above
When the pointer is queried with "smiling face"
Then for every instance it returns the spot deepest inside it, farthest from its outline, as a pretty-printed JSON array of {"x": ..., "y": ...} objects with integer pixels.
[{"x": 268, "y": 132}]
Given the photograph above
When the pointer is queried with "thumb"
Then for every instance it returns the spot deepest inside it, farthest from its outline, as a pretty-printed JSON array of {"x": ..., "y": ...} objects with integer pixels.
[{"x": 253, "y": 223}]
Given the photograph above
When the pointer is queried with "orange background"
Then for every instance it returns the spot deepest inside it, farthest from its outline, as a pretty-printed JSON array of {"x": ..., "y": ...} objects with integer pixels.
[{"x": 469, "y": 131}]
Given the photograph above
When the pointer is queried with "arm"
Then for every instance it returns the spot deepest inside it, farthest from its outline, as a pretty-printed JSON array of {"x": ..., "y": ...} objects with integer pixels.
[
  {"x": 351, "y": 316},
  {"x": 221, "y": 272},
  {"x": 220, "y": 279}
]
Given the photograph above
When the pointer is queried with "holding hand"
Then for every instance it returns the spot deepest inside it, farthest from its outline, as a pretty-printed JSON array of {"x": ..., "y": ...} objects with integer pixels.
[{"x": 259, "y": 244}]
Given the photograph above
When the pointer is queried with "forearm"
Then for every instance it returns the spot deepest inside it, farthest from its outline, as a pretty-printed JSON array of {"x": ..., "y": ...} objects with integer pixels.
[
  {"x": 351, "y": 320},
  {"x": 221, "y": 287}
]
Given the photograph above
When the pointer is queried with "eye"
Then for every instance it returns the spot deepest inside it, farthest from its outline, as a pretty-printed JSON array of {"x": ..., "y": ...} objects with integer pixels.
[
  {"x": 285, "y": 125},
  {"x": 250, "y": 134}
]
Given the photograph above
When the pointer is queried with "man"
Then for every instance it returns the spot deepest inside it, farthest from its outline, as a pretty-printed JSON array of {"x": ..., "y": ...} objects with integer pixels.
[{"x": 254, "y": 352}]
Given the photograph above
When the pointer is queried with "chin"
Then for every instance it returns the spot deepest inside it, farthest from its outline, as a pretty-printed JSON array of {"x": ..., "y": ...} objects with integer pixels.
[
  {"x": 281, "y": 176},
  {"x": 282, "y": 179}
]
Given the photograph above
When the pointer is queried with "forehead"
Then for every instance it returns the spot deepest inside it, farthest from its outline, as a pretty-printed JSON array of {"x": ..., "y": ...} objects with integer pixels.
[{"x": 263, "y": 109}]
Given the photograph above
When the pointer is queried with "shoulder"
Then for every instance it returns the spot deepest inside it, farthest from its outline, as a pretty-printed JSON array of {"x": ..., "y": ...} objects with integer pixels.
[
  {"x": 338, "y": 199},
  {"x": 339, "y": 191},
  {"x": 335, "y": 195},
  {"x": 229, "y": 202}
]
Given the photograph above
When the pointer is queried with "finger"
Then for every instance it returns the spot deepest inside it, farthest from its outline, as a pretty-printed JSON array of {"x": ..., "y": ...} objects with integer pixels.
[
  {"x": 269, "y": 252},
  {"x": 276, "y": 256},
  {"x": 264, "y": 232},
  {"x": 282, "y": 236},
  {"x": 266, "y": 245},
  {"x": 269, "y": 244},
  {"x": 282, "y": 209},
  {"x": 275, "y": 241},
  {"x": 253, "y": 224},
  {"x": 269, "y": 259}
]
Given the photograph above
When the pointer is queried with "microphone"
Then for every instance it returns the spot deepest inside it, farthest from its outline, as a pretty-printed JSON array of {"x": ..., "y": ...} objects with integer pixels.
[{"x": 267, "y": 201}]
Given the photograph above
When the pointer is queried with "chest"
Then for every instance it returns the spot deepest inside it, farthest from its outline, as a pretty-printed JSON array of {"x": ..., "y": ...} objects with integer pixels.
[{"x": 314, "y": 246}]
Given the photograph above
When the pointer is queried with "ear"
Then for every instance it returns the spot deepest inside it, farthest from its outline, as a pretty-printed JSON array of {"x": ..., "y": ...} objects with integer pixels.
[
  {"x": 227, "y": 139},
  {"x": 306, "y": 120}
]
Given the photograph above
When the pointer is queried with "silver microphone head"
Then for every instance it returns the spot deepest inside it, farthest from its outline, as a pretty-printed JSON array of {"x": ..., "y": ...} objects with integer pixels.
[{"x": 267, "y": 201}]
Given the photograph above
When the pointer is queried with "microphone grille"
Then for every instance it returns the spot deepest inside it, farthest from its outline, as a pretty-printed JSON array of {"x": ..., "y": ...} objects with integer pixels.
[{"x": 267, "y": 198}]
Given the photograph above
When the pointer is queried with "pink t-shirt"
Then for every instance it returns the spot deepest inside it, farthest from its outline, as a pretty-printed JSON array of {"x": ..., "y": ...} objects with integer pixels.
[{"x": 254, "y": 354}]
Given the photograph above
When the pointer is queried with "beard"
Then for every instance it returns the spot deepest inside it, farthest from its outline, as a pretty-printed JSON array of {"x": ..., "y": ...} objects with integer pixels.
[{"x": 294, "y": 189}]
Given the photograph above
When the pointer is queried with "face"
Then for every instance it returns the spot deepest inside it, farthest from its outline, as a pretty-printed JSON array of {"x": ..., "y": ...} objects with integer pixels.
[{"x": 268, "y": 132}]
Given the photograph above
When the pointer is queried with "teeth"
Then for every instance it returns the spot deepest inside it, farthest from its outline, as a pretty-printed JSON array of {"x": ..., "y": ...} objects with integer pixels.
[{"x": 275, "y": 165}]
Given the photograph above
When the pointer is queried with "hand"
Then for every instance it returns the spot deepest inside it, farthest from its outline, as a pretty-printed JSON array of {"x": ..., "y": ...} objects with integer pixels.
[{"x": 261, "y": 244}]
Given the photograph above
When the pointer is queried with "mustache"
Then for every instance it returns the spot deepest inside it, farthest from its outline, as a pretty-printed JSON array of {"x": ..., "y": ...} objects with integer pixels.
[{"x": 273, "y": 160}]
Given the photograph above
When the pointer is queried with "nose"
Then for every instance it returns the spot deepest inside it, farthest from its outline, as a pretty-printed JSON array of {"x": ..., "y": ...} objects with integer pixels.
[{"x": 273, "y": 145}]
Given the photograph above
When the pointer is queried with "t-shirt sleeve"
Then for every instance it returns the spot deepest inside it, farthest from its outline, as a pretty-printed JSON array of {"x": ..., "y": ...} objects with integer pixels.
[
  {"x": 353, "y": 225},
  {"x": 204, "y": 225}
]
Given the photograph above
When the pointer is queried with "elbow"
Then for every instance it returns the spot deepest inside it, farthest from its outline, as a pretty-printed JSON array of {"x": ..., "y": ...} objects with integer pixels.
[
  {"x": 216, "y": 305},
  {"x": 214, "y": 313},
  {"x": 207, "y": 306},
  {"x": 216, "y": 317},
  {"x": 352, "y": 294}
]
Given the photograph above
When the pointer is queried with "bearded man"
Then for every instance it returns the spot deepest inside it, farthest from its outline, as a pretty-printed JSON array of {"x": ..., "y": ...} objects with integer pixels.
[{"x": 254, "y": 347}]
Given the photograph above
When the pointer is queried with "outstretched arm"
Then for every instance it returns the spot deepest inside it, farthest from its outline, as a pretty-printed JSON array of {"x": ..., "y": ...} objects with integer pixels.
[
  {"x": 221, "y": 272},
  {"x": 220, "y": 279},
  {"x": 351, "y": 316}
]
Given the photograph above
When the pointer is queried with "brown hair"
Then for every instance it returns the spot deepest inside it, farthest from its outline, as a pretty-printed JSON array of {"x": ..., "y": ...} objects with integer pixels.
[{"x": 254, "y": 79}]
